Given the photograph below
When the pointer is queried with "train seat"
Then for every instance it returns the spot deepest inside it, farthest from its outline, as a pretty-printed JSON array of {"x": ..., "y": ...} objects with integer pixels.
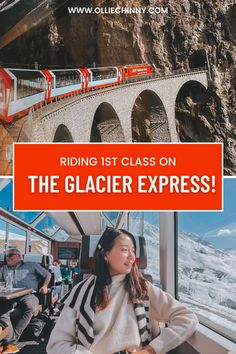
[{"x": 44, "y": 260}]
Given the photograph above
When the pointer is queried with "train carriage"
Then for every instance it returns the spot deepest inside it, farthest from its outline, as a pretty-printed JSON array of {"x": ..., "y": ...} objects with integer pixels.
[
  {"x": 21, "y": 90},
  {"x": 103, "y": 77},
  {"x": 63, "y": 82}
]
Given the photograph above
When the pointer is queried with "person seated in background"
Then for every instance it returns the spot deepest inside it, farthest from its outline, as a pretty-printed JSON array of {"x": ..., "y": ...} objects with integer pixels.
[
  {"x": 75, "y": 268},
  {"x": 65, "y": 273},
  {"x": 25, "y": 275},
  {"x": 116, "y": 310},
  {"x": 56, "y": 270}
]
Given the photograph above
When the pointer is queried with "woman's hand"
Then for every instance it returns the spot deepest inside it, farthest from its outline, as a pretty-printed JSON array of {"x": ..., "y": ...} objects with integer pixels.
[{"x": 146, "y": 350}]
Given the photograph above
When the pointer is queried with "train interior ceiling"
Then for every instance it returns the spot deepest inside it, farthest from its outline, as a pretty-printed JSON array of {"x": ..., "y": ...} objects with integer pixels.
[{"x": 171, "y": 251}]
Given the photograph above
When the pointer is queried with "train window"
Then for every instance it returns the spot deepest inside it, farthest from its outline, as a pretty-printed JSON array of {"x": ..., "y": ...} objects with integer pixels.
[
  {"x": 103, "y": 73},
  {"x": 136, "y": 223},
  {"x": 67, "y": 77},
  {"x": 11, "y": 91},
  {"x": 147, "y": 224},
  {"x": 29, "y": 82},
  {"x": 60, "y": 235},
  {"x": 151, "y": 234},
  {"x": 7, "y": 204},
  {"x": 16, "y": 238},
  {"x": 38, "y": 245},
  {"x": 29, "y": 216},
  {"x": 6, "y": 197},
  {"x": 109, "y": 219},
  {"x": 207, "y": 263},
  {"x": 3, "y": 225},
  {"x": 48, "y": 226},
  {"x": 1, "y": 90}
]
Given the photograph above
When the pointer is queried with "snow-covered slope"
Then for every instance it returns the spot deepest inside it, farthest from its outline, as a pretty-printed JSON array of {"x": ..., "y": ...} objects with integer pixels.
[{"x": 206, "y": 277}]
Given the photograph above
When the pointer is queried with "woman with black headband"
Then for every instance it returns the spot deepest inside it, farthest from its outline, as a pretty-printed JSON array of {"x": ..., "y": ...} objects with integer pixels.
[{"x": 116, "y": 310}]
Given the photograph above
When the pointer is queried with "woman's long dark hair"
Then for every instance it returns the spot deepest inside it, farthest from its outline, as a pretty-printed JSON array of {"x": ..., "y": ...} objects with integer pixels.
[{"x": 135, "y": 283}]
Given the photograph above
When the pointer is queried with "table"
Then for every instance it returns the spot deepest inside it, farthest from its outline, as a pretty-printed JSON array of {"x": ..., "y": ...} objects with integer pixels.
[{"x": 15, "y": 293}]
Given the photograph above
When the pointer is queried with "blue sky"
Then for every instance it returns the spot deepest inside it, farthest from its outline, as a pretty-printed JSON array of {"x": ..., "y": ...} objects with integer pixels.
[{"x": 219, "y": 228}]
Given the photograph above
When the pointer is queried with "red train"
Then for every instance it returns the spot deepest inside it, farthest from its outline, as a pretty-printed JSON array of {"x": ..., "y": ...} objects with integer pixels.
[{"x": 22, "y": 90}]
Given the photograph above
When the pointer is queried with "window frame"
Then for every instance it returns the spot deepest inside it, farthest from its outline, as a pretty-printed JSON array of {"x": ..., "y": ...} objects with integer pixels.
[
  {"x": 10, "y": 219},
  {"x": 204, "y": 340}
]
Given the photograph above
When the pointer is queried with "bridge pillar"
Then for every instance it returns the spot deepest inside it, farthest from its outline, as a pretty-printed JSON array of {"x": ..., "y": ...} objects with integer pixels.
[{"x": 170, "y": 112}]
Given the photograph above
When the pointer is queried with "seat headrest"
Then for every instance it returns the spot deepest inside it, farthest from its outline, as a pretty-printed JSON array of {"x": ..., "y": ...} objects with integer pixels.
[
  {"x": 45, "y": 260},
  {"x": 89, "y": 244}
]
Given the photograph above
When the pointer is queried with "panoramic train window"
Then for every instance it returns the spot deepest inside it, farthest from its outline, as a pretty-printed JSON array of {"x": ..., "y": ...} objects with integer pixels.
[
  {"x": 28, "y": 216},
  {"x": 16, "y": 238},
  {"x": 38, "y": 245},
  {"x": 2, "y": 235},
  {"x": 147, "y": 224},
  {"x": 1, "y": 90},
  {"x": 67, "y": 78},
  {"x": 48, "y": 226},
  {"x": 109, "y": 218},
  {"x": 103, "y": 73},
  {"x": 151, "y": 234},
  {"x": 6, "y": 196},
  {"x": 6, "y": 202},
  {"x": 29, "y": 82},
  {"x": 207, "y": 263},
  {"x": 136, "y": 223},
  {"x": 60, "y": 235}
]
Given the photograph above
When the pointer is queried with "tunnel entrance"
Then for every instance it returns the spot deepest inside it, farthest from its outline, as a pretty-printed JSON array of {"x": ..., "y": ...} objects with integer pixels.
[
  {"x": 197, "y": 59},
  {"x": 194, "y": 113},
  {"x": 106, "y": 125},
  {"x": 149, "y": 119},
  {"x": 62, "y": 135}
]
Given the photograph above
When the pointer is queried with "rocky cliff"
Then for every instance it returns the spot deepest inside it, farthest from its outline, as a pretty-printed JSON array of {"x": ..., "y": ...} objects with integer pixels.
[{"x": 193, "y": 34}]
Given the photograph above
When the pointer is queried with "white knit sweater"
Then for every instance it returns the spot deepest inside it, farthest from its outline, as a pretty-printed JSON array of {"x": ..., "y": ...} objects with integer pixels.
[{"x": 116, "y": 328}]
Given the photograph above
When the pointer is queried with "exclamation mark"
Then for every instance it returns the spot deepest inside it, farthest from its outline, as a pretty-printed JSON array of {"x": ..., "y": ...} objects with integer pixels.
[{"x": 213, "y": 182}]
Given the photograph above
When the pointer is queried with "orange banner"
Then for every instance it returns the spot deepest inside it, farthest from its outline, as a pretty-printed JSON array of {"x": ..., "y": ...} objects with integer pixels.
[{"x": 118, "y": 176}]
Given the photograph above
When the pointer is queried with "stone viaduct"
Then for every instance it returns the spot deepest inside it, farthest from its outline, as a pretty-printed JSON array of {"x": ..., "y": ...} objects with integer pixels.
[{"x": 76, "y": 117}]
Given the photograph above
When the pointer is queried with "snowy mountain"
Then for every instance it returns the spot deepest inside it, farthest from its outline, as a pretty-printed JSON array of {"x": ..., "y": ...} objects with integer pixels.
[
  {"x": 206, "y": 277},
  {"x": 151, "y": 234}
]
